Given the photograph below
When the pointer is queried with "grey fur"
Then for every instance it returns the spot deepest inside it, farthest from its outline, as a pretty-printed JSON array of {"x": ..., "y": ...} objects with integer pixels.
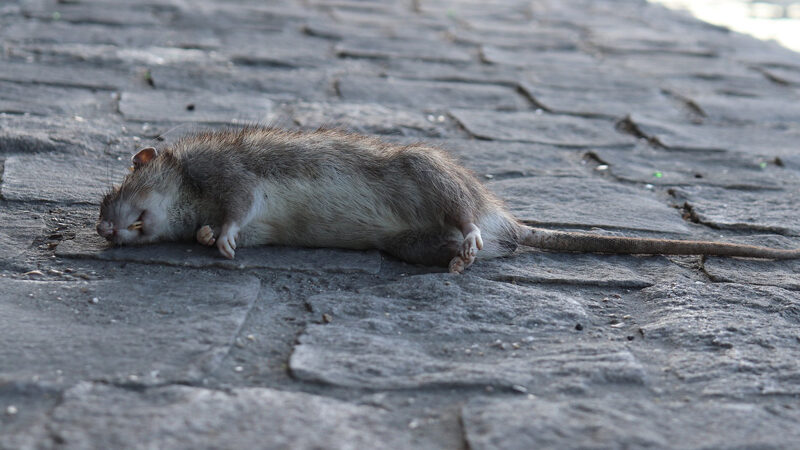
[{"x": 329, "y": 188}]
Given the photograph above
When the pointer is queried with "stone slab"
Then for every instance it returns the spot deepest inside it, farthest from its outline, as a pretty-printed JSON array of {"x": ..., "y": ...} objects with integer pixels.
[
  {"x": 420, "y": 94},
  {"x": 540, "y": 267},
  {"x": 60, "y": 134},
  {"x": 784, "y": 274},
  {"x": 371, "y": 118},
  {"x": 500, "y": 160},
  {"x": 41, "y": 100},
  {"x": 587, "y": 202},
  {"x": 69, "y": 77},
  {"x": 18, "y": 229},
  {"x": 535, "y": 59},
  {"x": 603, "y": 102},
  {"x": 156, "y": 325},
  {"x": 278, "y": 50},
  {"x": 289, "y": 84},
  {"x": 736, "y": 110},
  {"x": 93, "y": 415},
  {"x": 195, "y": 107},
  {"x": 723, "y": 339},
  {"x": 111, "y": 55},
  {"x": 88, "y": 245},
  {"x": 535, "y": 38},
  {"x": 541, "y": 128},
  {"x": 435, "y": 51},
  {"x": 756, "y": 140},
  {"x": 440, "y": 330},
  {"x": 648, "y": 41},
  {"x": 770, "y": 211},
  {"x": 59, "y": 178},
  {"x": 617, "y": 421},
  {"x": 42, "y": 32},
  {"x": 660, "y": 167}
]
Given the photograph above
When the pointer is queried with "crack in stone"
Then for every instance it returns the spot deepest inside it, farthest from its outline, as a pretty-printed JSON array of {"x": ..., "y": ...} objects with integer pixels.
[{"x": 628, "y": 126}]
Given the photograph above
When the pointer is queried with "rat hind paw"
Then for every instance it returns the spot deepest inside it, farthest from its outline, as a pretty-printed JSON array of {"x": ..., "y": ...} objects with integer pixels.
[
  {"x": 205, "y": 236},
  {"x": 471, "y": 244},
  {"x": 459, "y": 264},
  {"x": 226, "y": 242}
]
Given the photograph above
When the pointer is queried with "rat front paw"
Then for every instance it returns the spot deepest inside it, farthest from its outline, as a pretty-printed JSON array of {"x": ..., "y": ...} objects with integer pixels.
[
  {"x": 205, "y": 236},
  {"x": 226, "y": 243}
]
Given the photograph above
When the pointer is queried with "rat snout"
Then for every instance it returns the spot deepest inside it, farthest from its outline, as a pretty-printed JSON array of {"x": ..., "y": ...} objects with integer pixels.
[{"x": 106, "y": 229}]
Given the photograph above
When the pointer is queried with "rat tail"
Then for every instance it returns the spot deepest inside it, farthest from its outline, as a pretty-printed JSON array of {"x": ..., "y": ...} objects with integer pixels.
[{"x": 594, "y": 243}]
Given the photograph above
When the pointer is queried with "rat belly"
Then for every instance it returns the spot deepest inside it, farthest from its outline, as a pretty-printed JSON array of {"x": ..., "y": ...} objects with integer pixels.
[{"x": 343, "y": 213}]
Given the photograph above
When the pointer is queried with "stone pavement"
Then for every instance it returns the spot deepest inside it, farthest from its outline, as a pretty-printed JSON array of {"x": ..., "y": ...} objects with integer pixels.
[{"x": 609, "y": 115}]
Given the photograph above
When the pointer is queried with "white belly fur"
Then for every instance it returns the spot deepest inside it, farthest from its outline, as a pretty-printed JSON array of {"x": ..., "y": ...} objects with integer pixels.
[{"x": 344, "y": 212}]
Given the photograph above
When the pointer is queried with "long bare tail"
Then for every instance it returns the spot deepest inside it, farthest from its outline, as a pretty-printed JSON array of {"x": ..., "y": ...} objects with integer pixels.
[{"x": 593, "y": 243}]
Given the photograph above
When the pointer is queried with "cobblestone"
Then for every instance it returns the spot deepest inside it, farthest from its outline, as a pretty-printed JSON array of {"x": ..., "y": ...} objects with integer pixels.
[{"x": 612, "y": 116}]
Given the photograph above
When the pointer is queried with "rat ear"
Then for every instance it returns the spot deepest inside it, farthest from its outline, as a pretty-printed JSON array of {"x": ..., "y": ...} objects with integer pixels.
[{"x": 143, "y": 156}]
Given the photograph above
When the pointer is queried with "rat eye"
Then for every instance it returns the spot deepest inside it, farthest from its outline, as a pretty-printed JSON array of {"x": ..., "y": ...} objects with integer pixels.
[{"x": 138, "y": 224}]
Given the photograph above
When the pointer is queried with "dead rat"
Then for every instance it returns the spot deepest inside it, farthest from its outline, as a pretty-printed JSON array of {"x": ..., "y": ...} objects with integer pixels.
[{"x": 328, "y": 188}]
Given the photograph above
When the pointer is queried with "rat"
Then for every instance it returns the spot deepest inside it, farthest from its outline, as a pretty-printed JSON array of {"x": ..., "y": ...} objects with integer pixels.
[{"x": 328, "y": 188}]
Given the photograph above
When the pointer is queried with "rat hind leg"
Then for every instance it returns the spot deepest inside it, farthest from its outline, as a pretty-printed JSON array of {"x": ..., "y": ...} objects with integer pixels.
[{"x": 430, "y": 248}]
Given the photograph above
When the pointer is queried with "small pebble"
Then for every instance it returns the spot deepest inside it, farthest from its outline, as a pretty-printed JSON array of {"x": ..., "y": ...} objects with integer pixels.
[
  {"x": 578, "y": 327},
  {"x": 251, "y": 337},
  {"x": 94, "y": 300},
  {"x": 11, "y": 410},
  {"x": 238, "y": 369},
  {"x": 327, "y": 318},
  {"x": 602, "y": 167}
]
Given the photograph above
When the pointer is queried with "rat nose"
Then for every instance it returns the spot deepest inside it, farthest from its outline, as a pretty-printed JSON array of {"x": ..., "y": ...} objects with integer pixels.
[{"x": 106, "y": 229}]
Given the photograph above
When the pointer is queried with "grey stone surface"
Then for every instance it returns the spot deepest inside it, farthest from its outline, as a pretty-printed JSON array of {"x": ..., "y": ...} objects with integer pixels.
[
  {"x": 195, "y": 107},
  {"x": 592, "y": 115},
  {"x": 649, "y": 165},
  {"x": 541, "y": 128},
  {"x": 419, "y": 94},
  {"x": 756, "y": 140},
  {"x": 440, "y": 330},
  {"x": 707, "y": 328},
  {"x": 499, "y": 160},
  {"x": 18, "y": 229},
  {"x": 603, "y": 102},
  {"x": 773, "y": 211},
  {"x": 400, "y": 48},
  {"x": 587, "y": 202},
  {"x": 371, "y": 118},
  {"x": 93, "y": 415},
  {"x": 56, "y": 178},
  {"x": 618, "y": 421},
  {"x": 784, "y": 274},
  {"x": 155, "y": 326},
  {"x": 538, "y": 267},
  {"x": 88, "y": 245}
]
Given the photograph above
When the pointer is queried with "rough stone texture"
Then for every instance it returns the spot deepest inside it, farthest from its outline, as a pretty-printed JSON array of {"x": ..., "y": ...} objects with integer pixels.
[
  {"x": 617, "y": 421},
  {"x": 784, "y": 274},
  {"x": 726, "y": 339},
  {"x": 744, "y": 209},
  {"x": 56, "y": 331},
  {"x": 55, "y": 178},
  {"x": 179, "y": 107},
  {"x": 96, "y": 415},
  {"x": 90, "y": 245},
  {"x": 648, "y": 165},
  {"x": 537, "y": 127},
  {"x": 440, "y": 330},
  {"x": 762, "y": 141},
  {"x": 427, "y": 94},
  {"x": 609, "y": 116},
  {"x": 587, "y": 202}
]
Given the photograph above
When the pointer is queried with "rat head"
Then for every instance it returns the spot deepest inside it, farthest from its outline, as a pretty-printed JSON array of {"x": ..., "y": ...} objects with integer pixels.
[{"x": 137, "y": 211}]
